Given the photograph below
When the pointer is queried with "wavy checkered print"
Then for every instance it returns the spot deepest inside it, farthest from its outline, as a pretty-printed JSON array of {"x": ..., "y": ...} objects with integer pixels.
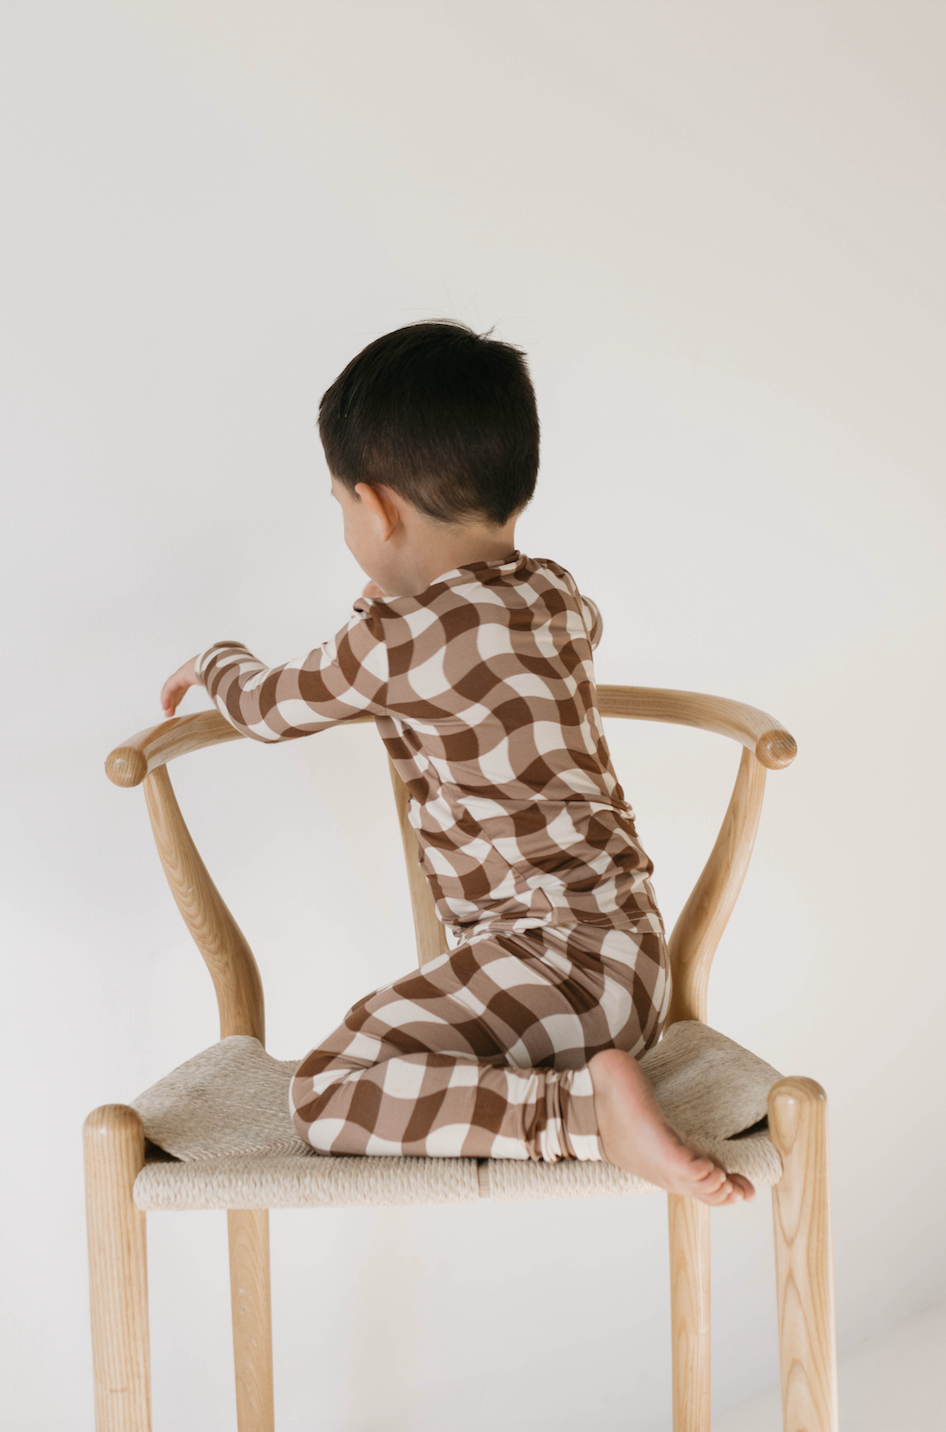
[
  {"x": 483, "y": 1053},
  {"x": 482, "y": 688}
]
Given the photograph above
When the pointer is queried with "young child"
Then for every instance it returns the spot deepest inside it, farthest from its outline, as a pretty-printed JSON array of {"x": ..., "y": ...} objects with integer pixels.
[{"x": 475, "y": 662}]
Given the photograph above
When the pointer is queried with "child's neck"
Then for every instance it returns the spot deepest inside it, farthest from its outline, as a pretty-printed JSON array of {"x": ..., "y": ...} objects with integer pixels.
[{"x": 428, "y": 549}]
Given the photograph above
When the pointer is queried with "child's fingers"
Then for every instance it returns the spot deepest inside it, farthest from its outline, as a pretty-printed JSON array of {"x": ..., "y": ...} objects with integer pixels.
[
  {"x": 169, "y": 700},
  {"x": 176, "y": 685}
]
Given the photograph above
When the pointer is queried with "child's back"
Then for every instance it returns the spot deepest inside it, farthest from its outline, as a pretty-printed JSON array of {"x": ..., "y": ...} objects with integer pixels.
[{"x": 483, "y": 691}]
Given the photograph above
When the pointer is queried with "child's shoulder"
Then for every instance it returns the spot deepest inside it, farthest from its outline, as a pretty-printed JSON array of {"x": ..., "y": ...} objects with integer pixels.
[{"x": 518, "y": 594}]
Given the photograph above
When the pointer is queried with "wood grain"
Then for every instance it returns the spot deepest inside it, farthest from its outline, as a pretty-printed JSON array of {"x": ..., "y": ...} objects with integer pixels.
[
  {"x": 704, "y": 917},
  {"x": 428, "y": 928},
  {"x": 760, "y": 733},
  {"x": 690, "y": 1312},
  {"x": 250, "y": 1303},
  {"x": 798, "y": 1127},
  {"x": 146, "y": 751},
  {"x": 217, "y": 935},
  {"x": 114, "y": 1149}
]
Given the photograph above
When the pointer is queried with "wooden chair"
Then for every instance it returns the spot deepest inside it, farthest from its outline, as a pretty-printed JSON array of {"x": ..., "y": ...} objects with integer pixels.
[{"x": 115, "y": 1146}]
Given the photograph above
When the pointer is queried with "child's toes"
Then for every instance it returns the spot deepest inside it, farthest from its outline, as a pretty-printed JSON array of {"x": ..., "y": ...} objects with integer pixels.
[{"x": 711, "y": 1179}]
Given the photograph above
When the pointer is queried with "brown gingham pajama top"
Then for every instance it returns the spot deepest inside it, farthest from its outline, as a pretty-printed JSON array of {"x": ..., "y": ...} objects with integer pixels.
[{"x": 483, "y": 691}]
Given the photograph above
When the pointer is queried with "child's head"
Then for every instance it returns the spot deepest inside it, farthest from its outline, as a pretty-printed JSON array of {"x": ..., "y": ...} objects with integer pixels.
[{"x": 440, "y": 415}]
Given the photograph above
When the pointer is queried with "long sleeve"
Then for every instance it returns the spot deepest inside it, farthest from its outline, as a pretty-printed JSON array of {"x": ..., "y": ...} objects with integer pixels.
[{"x": 345, "y": 677}]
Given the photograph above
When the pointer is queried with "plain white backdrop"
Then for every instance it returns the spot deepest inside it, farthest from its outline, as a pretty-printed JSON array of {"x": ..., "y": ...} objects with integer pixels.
[{"x": 717, "y": 229}]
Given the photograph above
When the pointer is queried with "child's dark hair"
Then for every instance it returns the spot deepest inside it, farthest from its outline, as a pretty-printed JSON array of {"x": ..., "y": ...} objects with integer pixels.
[{"x": 444, "y": 416}]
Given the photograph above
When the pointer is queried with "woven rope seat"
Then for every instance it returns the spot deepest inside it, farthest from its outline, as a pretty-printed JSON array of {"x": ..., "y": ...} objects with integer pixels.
[
  {"x": 223, "y": 1117},
  {"x": 297, "y": 1180}
]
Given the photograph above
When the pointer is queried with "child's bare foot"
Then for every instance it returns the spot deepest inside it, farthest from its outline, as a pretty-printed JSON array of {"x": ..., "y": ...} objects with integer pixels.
[{"x": 636, "y": 1136}]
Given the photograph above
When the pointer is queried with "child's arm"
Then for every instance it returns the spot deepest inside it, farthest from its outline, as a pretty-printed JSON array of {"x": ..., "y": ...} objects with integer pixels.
[{"x": 345, "y": 677}]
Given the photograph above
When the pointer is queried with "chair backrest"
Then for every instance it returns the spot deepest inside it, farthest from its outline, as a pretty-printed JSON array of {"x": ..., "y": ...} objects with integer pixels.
[{"x": 767, "y": 745}]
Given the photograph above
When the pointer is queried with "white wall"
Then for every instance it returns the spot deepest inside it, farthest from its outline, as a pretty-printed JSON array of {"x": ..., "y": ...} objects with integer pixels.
[{"x": 717, "y": 228}]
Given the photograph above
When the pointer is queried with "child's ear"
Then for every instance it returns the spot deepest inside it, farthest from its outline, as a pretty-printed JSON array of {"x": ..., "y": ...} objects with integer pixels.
[{"x": 382, "y": 505}]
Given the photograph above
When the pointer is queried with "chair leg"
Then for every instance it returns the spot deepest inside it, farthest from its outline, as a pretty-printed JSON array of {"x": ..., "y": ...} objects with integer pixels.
[
  {"x": 798, "y": 1126},
  {"x": 118, "y": 1270},
  {"x": 248, "y": 1230},
  {"x": 690, "y": 1312}
]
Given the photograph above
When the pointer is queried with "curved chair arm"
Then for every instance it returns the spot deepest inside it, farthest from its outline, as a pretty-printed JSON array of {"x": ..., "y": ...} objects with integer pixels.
[
  {"x": 760, "y": 733},
  {"x": 763, "y": 735},
  {"x": 145, "y": 752}
]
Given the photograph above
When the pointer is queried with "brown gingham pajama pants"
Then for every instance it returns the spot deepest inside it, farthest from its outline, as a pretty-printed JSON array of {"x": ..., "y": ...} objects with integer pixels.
[{"x": 483, "y": 1053}]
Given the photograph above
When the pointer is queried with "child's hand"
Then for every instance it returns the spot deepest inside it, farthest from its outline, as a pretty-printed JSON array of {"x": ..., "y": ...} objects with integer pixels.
[
  {"x": 174, "y": 688},
  {"x": 373, "y": 590}
]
